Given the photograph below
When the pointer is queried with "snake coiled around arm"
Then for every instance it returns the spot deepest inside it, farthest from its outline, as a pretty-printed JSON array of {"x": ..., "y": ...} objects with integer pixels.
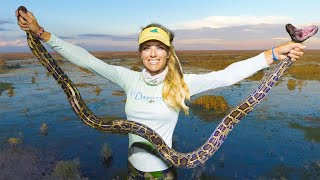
[{"x": 123, "y": 126}]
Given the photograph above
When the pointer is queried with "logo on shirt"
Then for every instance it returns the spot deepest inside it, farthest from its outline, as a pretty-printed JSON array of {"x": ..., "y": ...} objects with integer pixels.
[{"x": 136, "y": 95}]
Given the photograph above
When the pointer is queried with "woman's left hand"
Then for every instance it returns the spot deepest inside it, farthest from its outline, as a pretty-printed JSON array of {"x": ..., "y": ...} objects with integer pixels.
[{"x": 292, "y": 49}]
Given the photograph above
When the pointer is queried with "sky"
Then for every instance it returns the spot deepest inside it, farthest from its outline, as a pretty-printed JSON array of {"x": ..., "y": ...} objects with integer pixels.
[{"x": 114, "y": 25}]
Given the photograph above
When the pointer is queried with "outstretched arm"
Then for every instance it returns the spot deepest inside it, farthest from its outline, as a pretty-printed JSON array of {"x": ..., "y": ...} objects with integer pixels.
[
  {"x": 238, "y": 71},
  {"x": 73, "y": 53}
]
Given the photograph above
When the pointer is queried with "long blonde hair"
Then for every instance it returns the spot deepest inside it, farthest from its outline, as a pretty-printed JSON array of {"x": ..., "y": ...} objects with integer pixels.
[{"x": 175, "y": 90}]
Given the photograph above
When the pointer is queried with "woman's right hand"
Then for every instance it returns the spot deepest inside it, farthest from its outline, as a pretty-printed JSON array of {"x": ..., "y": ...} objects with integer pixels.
[{"x": 28, "y": 22}]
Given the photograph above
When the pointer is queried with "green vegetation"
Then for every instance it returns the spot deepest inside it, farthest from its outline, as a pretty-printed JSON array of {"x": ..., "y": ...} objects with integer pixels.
[
  {"x": 106, "y": 152},
  {"x": 44, "y": 129},
  {"x": 67, "y": 170},
  {"x": 310, "y": 133},
  {"x": 292, "y": 84},
  {"x": 209, "y": 107}
]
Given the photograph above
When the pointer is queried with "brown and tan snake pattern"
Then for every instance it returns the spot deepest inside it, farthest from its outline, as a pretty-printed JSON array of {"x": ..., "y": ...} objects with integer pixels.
[{"x": 123, "y": 126}]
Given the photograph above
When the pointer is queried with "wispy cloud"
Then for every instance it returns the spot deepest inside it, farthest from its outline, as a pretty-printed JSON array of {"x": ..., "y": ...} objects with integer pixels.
[
  {"x": 111, "y": 37},
  {"x": 228, "y": 21},
  {"x": 4, "y": 29},
  {"x": 5, "y": 22},
  {"x": 260, "y": 36},
  {"x": 16, "y": 43}
]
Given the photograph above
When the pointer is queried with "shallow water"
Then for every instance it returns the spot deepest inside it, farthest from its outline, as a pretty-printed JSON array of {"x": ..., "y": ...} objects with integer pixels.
[{"x": 280, "y": 138}]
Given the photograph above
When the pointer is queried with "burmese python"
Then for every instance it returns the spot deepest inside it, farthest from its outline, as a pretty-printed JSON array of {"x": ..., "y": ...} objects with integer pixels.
[{"x": 123, "y": 126}]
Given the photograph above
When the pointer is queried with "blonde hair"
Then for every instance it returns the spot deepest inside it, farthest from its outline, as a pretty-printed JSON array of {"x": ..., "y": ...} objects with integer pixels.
[{"x": 175, "y": 90}]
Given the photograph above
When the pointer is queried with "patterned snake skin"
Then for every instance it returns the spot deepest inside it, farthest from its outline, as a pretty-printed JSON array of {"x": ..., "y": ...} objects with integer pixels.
[{"x": 123, "y": 126}]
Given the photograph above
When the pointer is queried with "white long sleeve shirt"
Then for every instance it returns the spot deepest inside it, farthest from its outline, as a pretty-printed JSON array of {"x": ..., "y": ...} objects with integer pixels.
[{"x": 154, "y": 114}]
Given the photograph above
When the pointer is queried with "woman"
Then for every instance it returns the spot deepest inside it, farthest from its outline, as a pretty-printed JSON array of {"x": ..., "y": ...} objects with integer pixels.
[{"x": 156, "y": 95}]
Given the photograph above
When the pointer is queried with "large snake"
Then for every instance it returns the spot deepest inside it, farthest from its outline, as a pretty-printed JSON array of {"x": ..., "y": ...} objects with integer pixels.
[{"x": 123, "y": 126}]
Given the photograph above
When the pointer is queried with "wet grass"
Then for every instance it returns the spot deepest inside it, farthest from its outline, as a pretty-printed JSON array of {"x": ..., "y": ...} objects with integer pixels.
[
  {"x": 308, "y": 68},
  {"x": 310, "y": 133},
  {"x": 209, "y": 107},
  {"x": 32, "y": 167},
  {"x": 5, "y": 86},
  {"x": 118, "y": 93}
]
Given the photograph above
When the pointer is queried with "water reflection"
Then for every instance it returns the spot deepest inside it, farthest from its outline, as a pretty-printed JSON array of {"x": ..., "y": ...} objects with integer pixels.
[
  {"x": 310, "y": 133},
  {"x": 26, "y": 110}
]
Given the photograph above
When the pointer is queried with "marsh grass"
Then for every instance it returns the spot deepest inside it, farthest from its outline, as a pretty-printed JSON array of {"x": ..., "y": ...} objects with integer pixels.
[
  {"x": 33, "y": 80},
  {"x": 97, "y": 90},
  {"x": 14, "y": 141},
  {"x": 291, "y": 84},
  {"x": 106, "y": 153},
  {"x": 305, "y": 71},
  {"x": 11, "y": 91},
  {"x": 44, "y": 129},
  {"x": 4, "y": 67},
  {"x": 209, "y": 107},
  {"x": 210, "y": 102},
  {"x": 67, "y": 170},
  {"x": 4, "y": 86},
  {"x": 118, "y": 93}
]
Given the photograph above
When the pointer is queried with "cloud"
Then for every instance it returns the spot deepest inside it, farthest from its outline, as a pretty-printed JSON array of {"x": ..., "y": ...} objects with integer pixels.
[
  {"x": 5, "y": 22},
  {"x": 104, "y": 44},
  {"x": 228, "y": 21},
  {"x": 239, "y": 33},
  {"x": 245, "y": 37},
  {"x": 111, "y": 37},
  {"x": 3, "y": 29},
  {"x": 15, "y": 43}
]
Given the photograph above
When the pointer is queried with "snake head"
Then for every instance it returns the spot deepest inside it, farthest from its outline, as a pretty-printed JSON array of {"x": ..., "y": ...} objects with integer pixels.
[
  {"x": 22, "y": 8},
  {"x": 300, "y": 35}
]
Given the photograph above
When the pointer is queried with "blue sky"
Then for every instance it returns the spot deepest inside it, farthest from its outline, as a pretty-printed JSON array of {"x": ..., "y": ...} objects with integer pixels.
[{"x": 115, "y": 24}]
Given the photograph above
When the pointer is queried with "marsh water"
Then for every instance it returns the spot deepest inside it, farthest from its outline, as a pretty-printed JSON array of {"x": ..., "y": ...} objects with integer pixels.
[{"x": 279, "y": 139}]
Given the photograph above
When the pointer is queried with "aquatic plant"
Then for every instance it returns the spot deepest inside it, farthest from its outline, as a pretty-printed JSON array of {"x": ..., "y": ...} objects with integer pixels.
[
  {"x": 84, "y": 85},
  {"x": 33, "y": 80},
  {"x": 67, "y": 170},
  {"x": 118, "y": 93},
  {"x": 209, "y": 107},
  {"x": 14, "y": 141},
  {"x": 305, "y": 72},
  {"x": 44, "y": 129},
  {"x": 10, "y": 91},
  {"x": 106, "y": 152},
  {"x": 3, "y": 67},
  {"x": 313, "y": 170},
  {"x": 97, "y": 90},
  {"x": 210, "y": 102},
  {"x": 4, "y": 86},
  {"x": 291, "y": 84},
  {"x": 310, "y": 133}
]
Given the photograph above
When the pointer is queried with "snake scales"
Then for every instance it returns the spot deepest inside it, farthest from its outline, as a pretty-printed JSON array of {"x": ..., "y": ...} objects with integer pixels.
[{"x": 122, "y": 126}]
